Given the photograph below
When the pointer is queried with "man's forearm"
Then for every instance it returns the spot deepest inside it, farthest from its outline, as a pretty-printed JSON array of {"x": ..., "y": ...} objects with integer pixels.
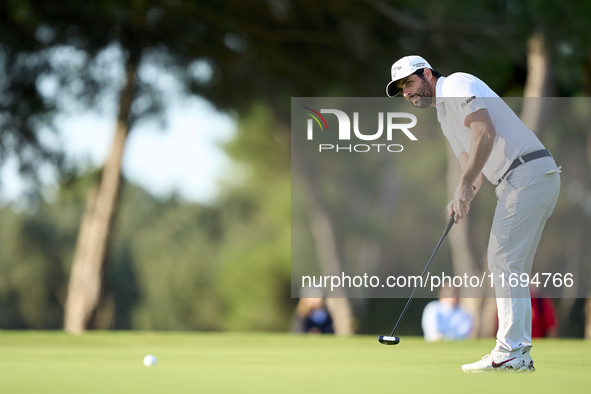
[{"x": 481, "y": 144}]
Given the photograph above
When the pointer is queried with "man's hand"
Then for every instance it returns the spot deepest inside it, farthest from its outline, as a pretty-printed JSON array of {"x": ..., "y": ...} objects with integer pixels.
[
  {"x": 461, "y": 203},
  {"x": 454, "y": 204}
]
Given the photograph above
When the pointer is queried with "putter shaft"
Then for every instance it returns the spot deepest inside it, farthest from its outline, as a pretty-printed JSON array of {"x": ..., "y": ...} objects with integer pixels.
[{"x": 447, "y": 228}]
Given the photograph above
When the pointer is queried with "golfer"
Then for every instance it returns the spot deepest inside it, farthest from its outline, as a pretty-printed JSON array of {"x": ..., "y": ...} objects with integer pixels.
[{"x": 489, "y": 140}]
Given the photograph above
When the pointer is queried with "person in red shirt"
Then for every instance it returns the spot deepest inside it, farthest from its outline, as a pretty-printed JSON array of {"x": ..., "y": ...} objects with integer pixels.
[{"x": 544, "y": 319}]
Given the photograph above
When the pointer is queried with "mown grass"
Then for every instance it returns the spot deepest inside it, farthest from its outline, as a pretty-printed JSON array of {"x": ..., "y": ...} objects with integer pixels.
[{"x": 111, "y": 362}]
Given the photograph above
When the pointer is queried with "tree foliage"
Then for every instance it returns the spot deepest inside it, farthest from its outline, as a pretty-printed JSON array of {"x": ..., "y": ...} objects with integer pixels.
[{"x": 226, "y": 266}]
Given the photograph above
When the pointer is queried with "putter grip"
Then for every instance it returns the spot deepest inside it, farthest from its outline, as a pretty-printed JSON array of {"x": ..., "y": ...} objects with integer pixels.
[{"x": 449, "y": 224}]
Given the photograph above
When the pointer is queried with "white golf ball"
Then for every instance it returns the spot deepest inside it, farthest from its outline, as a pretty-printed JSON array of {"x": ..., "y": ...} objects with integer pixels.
[{"x": 150, "y": 360}]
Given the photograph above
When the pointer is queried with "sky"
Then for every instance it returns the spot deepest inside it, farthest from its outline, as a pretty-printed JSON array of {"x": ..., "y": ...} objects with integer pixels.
[{"x": 185, "y": 157}]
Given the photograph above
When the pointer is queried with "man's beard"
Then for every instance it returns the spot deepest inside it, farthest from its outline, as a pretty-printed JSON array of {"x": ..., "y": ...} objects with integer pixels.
[{"x": 424, "y": 95}]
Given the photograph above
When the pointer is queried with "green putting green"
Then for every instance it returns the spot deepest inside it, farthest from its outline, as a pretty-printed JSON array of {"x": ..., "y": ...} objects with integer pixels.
[{"x": 111, "y": 362}]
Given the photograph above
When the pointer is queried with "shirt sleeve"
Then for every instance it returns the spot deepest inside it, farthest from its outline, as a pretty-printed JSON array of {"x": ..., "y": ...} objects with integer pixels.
[
  {"x": 462, "y": 95},
  {"x": 455, "y": 145}
]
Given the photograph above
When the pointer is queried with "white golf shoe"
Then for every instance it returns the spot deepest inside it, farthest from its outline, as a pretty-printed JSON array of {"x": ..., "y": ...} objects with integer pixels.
[
  {"x": 494, "y": 363},
  {"x": 529, "y": 362}
]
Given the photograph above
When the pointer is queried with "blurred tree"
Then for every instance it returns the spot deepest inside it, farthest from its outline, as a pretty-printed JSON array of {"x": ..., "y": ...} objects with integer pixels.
[
  {"x": 343, "y": 49},
  {"x": 237, "y": 53},
  {"x": 35, "y": 246},
  {"x": 162, "y": 263},
  {"x": 24, "y": 113},
  {"x": 145, "y": 31},
  {"x": 254, "y": 267},
  {"x": 87, "y": 267},
  {"x": 30, "y": 254}
]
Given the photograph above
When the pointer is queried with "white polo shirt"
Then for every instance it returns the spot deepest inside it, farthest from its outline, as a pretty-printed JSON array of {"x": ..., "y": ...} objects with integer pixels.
[{"x": 459, "y": 95}]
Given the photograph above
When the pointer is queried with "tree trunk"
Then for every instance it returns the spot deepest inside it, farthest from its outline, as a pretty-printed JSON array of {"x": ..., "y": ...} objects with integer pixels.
[
  {"x": 86, "y": 274},
  {"x": 324, "y": 236},
  {"x": 588, "y": 317},
  {"x": 588, "y": 134},
  {"x": 538, "y": 83},
  {"x": 326, "y": 249}
]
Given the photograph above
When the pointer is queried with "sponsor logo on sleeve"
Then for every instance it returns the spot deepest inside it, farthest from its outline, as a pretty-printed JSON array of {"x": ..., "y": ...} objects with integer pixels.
[{"x": 468, "y": 101}]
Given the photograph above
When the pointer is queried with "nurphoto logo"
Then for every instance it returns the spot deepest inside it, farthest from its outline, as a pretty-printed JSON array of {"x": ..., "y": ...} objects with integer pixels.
[{"x": 392, "y": 120}]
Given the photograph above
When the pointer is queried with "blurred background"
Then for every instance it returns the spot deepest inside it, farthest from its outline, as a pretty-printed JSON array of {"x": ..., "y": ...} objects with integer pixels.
[{"x": 145, "y": 150}]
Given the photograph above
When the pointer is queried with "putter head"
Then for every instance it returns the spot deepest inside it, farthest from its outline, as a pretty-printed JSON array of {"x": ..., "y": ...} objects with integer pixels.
[{"x": 388, "y": 340}]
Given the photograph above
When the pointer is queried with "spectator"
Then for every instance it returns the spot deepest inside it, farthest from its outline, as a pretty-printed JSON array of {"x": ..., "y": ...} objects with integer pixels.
[
  {"x": 311, "y": 315},
  {"x": 544, "y": 319},
  {"x": 444, "y": 319}
]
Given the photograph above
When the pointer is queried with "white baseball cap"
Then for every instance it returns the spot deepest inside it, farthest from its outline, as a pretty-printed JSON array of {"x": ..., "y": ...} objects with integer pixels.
[{"x": 403, "y": 68}]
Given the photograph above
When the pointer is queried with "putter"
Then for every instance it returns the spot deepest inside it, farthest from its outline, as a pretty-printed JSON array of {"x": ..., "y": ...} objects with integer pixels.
[{"x": 392, "y": 340}]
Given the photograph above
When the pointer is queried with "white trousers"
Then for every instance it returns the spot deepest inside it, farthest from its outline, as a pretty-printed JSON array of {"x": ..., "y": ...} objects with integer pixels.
[{"x": 526, "y": 199}]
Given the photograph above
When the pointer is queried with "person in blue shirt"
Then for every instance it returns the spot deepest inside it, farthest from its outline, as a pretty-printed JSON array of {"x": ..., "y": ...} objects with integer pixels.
[
  {"x": 444, "y": 319},
  {"x": 312, "y": 315}
]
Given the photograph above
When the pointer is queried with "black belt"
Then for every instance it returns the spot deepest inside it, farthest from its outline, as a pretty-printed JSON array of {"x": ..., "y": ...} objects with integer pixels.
[{"x": 524, "y": 159}]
